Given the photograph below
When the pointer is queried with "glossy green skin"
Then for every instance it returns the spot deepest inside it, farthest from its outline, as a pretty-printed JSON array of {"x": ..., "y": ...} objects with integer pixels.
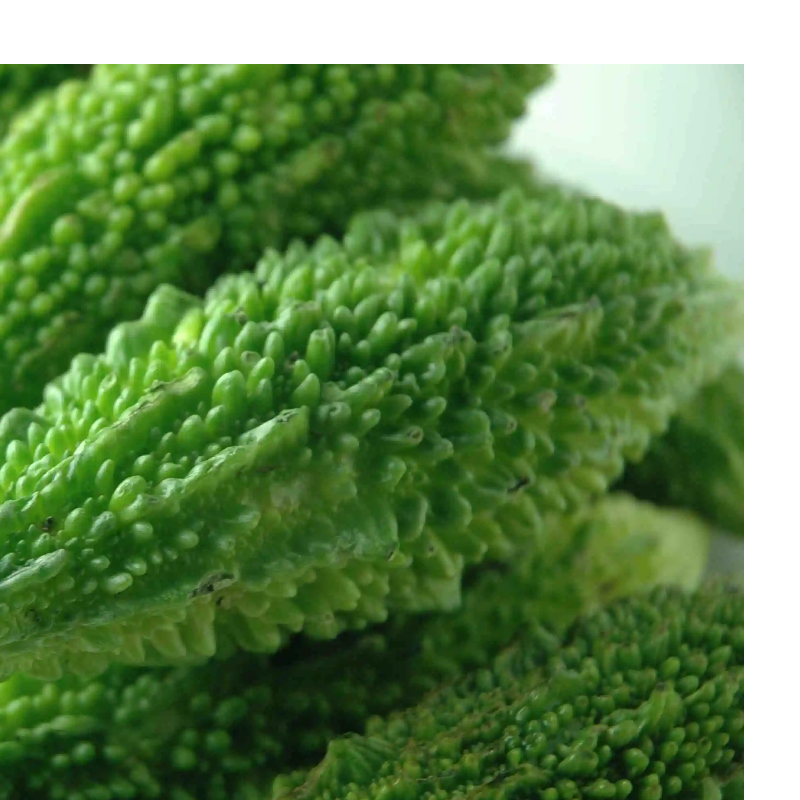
[
  {"x": 20, "y": 83},
  {"x": 223, "y": 730},
  {"x": 341, "y": 432},
  {"x": 699, "y": 463},
  {"x": 145, "y": 174},
  {"x": 642, "y": 700}
]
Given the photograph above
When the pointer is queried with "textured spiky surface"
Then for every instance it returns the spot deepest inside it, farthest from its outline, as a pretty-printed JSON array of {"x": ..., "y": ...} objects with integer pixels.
[
  {"x": 699, "y": 463},
  {"x": 144, "y": 174},
  {"x": 342, "y": 431},
  {"x": 219, "y": 731},
  {"x": 617, "y": 547},
  {"x": 644, "y": 699},
  {"x": 20, "y": 83},
  {"x": 610, "y": 548}
]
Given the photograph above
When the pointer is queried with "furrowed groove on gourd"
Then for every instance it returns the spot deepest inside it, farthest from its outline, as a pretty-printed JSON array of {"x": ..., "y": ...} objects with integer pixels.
[
  {"x": 221, "y": 730},
  {"x": 339, "y": 433},
  {"x": 644, "y": 700},
  {"x": 175, "y": 172},
  {"x": 699, "y": 463}
]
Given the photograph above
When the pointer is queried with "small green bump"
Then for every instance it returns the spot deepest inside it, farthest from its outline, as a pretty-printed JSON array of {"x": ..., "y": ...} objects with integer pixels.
[
  {"x": 186, "y": 540},
  {"x": 623, "y": 734},
  {"x": 117, "y": 583},
  {"x": 126, "y": 492},
  {"x": 183, "y": 759},
  {"x": 142, "y": 532}
]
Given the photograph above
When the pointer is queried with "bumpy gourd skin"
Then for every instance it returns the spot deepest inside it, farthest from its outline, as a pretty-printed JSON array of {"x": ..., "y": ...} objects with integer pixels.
[
  {"x": 145, "y": 174},
  {"x": 643, "y": 700},
  {"x": 224, "y": 730},
  {"x": 611, "y": 549},
  {"x": 342, "y": 431},
  {"x": 20, "y": 83},
  {"x": 699, "y": 463},
  {"x": 478, "y": 175}
]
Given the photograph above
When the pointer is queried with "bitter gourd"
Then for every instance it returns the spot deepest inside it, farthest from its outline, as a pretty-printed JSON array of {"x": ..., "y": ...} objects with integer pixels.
[
  {"x": 144, "y": 174},
  {"x": 225, "y": 729},
  {"x": 643, "y": 700},
  {"x": 611, "y": 549},
  {"x": 699, "y": 463},
  {"x": 20, "y": 83},
  {"x": 343, "y": 430}
]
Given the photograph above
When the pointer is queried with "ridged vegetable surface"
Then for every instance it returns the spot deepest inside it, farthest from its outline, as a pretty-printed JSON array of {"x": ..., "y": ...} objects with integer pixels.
[
  {"x": 644, "y": 699},
  {"x": 225, "y": 729},
  {"x": 340, "y": 432},
  {"x": 20, "y": 83},
  {"x": 699, "y": 463},
  {"x": 144, "y": 174}
]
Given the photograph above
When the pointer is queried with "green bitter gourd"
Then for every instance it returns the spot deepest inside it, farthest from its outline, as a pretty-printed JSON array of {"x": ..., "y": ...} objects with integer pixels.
[
  {"x": 644, "y": 699},
  {"x": 225, "y": 729},
  {"x": 340, "y": 432},
  {"x": 144, "y": 174}
]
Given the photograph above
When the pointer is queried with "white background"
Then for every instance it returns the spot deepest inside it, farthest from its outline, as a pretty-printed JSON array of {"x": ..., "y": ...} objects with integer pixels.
[{"x": 650, "y": 136}]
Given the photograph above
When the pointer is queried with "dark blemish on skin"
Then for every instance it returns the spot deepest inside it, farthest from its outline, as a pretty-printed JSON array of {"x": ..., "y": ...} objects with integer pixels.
[
  {"x": 498, "y": 779},
  {"x": 520, "y": 483},
  {"x": 34, "y": 617},
  {"x": 606, "y": 588},
  {"x": 211, "y": 584},
  {"x": 292, "y": 358}
]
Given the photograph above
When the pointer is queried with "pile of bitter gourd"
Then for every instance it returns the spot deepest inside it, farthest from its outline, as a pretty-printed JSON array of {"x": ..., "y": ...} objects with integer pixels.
[{"x": 329, "y": 437}]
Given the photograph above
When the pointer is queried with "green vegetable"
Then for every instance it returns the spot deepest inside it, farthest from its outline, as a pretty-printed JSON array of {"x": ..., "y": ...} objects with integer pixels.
[
  {"x": 20, "y": 83},
  {"x": 699, "y": 463},
  {"x": 225, "y": 729},
  {"x": 144, "y": 174},
  {"x": 642, "y": 700},
  {"x": 479, "y": 176},
  {"x": 614, "y": 548},
  {"x": 341, "y": 432}
]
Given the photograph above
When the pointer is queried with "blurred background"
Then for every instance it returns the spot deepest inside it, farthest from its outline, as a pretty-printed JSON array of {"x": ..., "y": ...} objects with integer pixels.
[{"x": 650, "y": 136}]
